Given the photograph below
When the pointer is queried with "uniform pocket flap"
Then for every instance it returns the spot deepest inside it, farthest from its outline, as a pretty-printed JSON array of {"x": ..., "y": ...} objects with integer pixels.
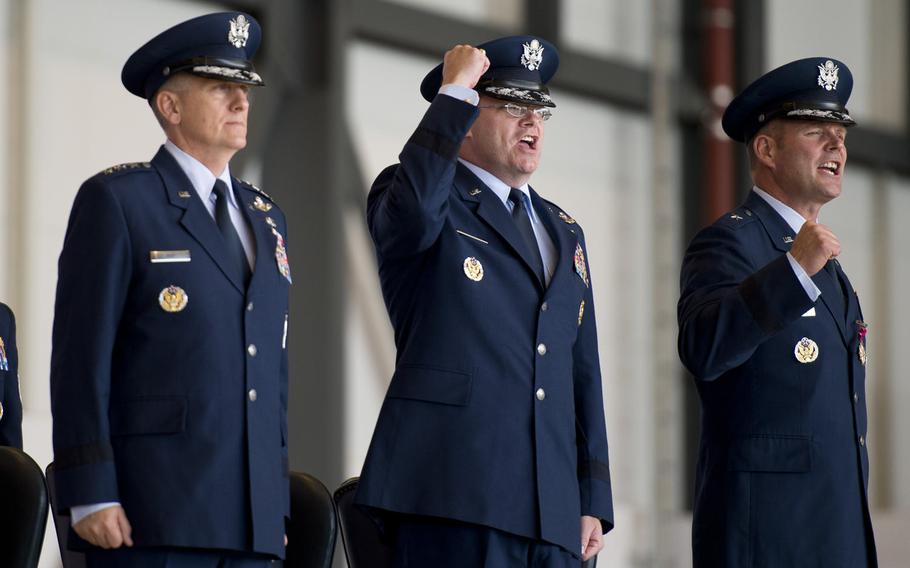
[
  {"x": 431, "y": 384},
  {"x": 771, "y": 453},
  {"x": 149, "y": 416}
]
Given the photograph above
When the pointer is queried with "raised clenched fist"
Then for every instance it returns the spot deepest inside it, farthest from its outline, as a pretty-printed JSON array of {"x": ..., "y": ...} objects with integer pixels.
[
  {"x": 814, "y": 246},
  {"x": 464, "y": 65}
]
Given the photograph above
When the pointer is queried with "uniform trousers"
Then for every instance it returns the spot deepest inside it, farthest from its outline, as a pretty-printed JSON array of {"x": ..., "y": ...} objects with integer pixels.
[
  {"x": 422, "y": 542},
  {"x": 171, "y": 558}
]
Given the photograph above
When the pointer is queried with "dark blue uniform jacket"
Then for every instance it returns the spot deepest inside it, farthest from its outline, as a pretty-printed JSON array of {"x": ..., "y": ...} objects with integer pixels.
[
  {"x": 462, "y": 433},
  {"x": 10, "y": 403},
  {"x": 782, "y": 463},
  {"x": 156, "y": 409}
]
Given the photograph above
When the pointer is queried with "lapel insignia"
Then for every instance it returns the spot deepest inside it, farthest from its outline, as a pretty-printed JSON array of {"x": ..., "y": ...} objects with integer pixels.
[
  {"x": 735, "y": 216},
  {"x": 183, "y": 194},
  {"x": 566, "y": 218},
  {"x": 239, "y": 32},
  {"x": 261, "y": 205},
  {"x": 173, "y": 299},
  {"x": 788, "y": 239},
  {"x": 1, "y": 411},
  {"x": 581, "y": 311},
  {"x": 473, "y": 269},
  {"x": 580, "y": 267},
  {"x": 475, "y": 191},
  {"x": 827, "y": 76},
  {"x": 806, "y": 350},
  {"x": 4, "y": 362},
  {"x": 281, "y": 255}
]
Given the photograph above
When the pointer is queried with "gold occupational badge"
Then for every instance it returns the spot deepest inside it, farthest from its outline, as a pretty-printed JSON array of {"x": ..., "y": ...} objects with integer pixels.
[
  {"x": 806, "y": 350},
  {"x": 183, "y": 194},
  {"x": 173, "y": 299},
  {"x": 1, "y": 411},
  {"x": 473, "y": 269},
  {"x": 271, "y": 222},
  {"x": 862, "y": 354},
  {"x": 566, "y": 218},
  {"x": 261, "y": 205},
  {"x": 581, "y": 311}
]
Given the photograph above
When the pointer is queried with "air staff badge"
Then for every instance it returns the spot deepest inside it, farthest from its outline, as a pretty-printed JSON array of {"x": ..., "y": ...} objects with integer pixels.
[
  {"x": 281, "y": 256},
  {"x": 173, "y": 299},
  {"x": 473, "y": 269},
  {"x": 581, "y": 311},
  {"x": 4, "y": 362},
  {"x": 862, "y": 328},
  {"x": 806, "y": 350},
  {"x": 580, "y": 267}
]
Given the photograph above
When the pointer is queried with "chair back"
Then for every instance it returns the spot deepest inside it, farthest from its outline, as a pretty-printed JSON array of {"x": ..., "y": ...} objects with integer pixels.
[
  {"x": 24, "y": 503},
  {"x": 70, "y": 558},
  {"x": 312, "y": 528},
  {"x": 363, "y": 544}
]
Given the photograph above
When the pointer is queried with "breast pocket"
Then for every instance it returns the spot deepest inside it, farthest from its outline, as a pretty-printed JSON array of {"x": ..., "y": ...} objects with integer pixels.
[{"x": 431, "y": 384}]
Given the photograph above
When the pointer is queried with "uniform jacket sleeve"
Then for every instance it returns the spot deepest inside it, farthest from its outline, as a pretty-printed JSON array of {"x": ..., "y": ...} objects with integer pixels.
[
  {"x": 733, "y": 298},
  {"x": 93, "y": 279},
  {"x": 11, "y": 423},
  {"x": 407, "y": 206},
  {"x": 591, "y": 432}
]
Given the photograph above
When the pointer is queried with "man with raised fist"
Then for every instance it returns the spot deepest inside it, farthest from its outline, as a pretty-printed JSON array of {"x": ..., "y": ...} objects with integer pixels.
[
  {"x": 491, "y": 447},
  {"x": 772, "y": 331}
]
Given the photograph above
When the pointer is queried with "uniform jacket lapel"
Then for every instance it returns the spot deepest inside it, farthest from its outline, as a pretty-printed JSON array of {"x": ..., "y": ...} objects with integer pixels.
[
  {"x": 564, "y": 240},
  {"x": 781, "y": 237},
  {"x": 494, "y": 213},
  {"x": 196, "y": 219},
  {"x": 262, "y": 231}
]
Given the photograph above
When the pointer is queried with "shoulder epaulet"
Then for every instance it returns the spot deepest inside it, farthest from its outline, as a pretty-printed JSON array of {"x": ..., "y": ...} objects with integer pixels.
[
  {"x": 737, "y": 218},
  {"x": 127, "y": 167},
  {"x": 256, "y": 189}
]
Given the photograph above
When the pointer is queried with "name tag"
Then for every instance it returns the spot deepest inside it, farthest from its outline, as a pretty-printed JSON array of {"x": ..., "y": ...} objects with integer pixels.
[
  {"x": 156, "y": 256},
  {"x": 810, "y": 313}
]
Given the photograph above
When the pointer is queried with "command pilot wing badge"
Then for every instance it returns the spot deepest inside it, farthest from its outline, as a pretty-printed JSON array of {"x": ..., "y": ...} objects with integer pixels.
[
  {"x": 533, "y": 55},
  {"x": 261, "y": 205},
  {"x": 240, "y": 31},
  {"x": 827, "y": 76}
]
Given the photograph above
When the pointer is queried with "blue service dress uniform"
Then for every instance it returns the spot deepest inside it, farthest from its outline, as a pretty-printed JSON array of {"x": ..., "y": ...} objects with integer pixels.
[
  {"x": 179, "y": 413},
  {"x": 783, "y": 468},
  {"x": 494, "y": 415},
  {"x": 10, "y": 403}
]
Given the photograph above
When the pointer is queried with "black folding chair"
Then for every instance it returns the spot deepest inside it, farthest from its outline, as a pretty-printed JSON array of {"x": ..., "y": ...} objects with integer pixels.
[
  {"x": 313, "y": 527},
  {"x": 24, "y": 518}
]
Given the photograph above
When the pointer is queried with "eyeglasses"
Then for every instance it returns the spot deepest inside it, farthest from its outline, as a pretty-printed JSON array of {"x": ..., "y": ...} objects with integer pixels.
[{"x": 519, "y": 111}]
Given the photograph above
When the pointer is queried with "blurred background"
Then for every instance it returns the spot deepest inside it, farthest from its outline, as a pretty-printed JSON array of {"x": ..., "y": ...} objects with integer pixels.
[{"x": 634, "y": 152}]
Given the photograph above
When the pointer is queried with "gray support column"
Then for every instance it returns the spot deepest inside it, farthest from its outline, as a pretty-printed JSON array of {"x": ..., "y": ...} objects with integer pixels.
[{"x": 299, "y": 143}]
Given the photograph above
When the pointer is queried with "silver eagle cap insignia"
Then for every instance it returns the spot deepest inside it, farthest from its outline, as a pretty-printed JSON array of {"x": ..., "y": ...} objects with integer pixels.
[
  {"x": 533, "y": 55},
  {"x": 827, "y": 76},
  {"x": 240, "y": 31}
]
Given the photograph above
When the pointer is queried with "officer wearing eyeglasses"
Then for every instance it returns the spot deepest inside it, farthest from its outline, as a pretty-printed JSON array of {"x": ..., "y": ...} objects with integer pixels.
[{"x": 491, "y": 445}]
